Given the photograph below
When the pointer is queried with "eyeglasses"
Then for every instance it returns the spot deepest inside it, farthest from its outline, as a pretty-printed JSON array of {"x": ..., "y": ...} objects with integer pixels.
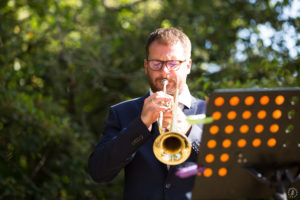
[{"x": 156, "y": 65}]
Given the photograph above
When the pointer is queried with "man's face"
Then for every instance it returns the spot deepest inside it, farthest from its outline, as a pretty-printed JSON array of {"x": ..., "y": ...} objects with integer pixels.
[{"x": 162, "y": 52}]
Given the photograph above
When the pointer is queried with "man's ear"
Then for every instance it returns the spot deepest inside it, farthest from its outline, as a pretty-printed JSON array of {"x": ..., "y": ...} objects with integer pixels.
[
  {"x": 189, "y": 66},
  {"x": 146, "y": 66}
]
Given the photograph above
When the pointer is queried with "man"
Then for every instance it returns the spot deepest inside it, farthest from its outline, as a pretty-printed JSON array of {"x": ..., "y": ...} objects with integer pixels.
[{"x": 131, "y": 127}]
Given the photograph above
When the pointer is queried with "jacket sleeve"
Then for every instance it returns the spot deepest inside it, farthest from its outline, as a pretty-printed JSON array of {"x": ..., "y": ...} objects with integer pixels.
[{"x": 117, "y": 147}]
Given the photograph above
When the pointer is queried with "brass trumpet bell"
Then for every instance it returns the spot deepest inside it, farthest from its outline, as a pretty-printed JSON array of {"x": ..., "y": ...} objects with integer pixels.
[{"x": 171, "y": 148}]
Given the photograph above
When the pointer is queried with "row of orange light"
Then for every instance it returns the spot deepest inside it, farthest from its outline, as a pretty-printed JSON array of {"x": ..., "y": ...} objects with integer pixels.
[
  {"x": 208, "y": 172},
  {"x": 262, "y": 114},
  {"x": 209, "y": 158},
  {"x": 249, "y": 100},
  {"x": 229, "y": 129},
  {"x": 241, "y": 143}
]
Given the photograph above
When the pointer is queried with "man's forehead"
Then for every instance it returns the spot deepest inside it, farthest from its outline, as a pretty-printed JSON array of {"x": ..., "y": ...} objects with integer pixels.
[{"x": 166, "y": 43}]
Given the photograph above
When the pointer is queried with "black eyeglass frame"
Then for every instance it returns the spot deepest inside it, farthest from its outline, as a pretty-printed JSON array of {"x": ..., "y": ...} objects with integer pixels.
[{"x": 166, "y": 63}]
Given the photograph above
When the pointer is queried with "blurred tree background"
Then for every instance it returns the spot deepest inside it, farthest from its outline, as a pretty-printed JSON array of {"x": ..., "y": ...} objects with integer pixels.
[{"x": 64, "y": 62}]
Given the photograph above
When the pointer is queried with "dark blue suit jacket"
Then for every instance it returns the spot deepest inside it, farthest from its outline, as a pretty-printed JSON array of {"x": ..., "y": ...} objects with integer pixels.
[{"x": 127, "y": 143}]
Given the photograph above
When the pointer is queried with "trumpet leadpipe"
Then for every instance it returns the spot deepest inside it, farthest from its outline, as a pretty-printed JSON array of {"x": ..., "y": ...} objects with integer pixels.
[{"x": 164, "y": 82}]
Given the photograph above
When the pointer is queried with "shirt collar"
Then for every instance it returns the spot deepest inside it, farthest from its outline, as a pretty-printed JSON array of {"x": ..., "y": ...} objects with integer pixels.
[{"x": 184, "y": 98}]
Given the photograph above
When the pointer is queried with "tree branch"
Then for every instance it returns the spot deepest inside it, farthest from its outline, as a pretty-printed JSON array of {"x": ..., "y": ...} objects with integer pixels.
[{"x": 39, "y": 166}]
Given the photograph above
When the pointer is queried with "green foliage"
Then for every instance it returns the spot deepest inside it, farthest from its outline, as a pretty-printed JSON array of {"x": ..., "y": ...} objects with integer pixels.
[{"x": 63, "y": 63}]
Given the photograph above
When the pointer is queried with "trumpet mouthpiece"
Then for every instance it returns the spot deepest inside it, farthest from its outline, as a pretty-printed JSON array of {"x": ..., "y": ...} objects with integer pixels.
[{"x": 164, "y": 82}]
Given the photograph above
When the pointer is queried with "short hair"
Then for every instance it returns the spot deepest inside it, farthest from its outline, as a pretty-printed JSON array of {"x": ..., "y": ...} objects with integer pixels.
[{"x": 169, "y": 36}]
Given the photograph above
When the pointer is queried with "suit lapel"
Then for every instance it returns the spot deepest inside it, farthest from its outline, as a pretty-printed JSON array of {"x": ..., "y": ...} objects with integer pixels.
[
  {"x": 155, "y": 131},
  {"x": 191, "y": 110}
]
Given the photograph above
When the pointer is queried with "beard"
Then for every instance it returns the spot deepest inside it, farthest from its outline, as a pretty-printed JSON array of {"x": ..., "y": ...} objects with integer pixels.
[{"x": 156, "y": 85}]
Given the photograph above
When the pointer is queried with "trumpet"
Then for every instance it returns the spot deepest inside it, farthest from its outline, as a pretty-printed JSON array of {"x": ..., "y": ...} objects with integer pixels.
[{"x": 171, "y": 148}]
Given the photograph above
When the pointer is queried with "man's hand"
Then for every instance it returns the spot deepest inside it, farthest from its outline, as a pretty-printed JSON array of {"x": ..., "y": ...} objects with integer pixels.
[
  {"x": 153, "y": 105},
  {"x": 181, "y": 126}
]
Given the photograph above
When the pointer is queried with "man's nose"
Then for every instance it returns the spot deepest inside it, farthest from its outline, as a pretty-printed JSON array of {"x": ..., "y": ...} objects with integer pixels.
[{"x": 165, "y": 69}]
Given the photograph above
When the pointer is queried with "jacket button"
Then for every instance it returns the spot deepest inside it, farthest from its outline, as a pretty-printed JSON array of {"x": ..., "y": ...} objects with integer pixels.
[{"x": 168, "y": 186}]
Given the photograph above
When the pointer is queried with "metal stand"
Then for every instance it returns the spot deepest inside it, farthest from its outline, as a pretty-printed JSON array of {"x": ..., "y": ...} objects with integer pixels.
[{"x": 279, "y": 181}]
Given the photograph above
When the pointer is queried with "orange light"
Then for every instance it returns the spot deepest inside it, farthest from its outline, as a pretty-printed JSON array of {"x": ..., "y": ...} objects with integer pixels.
[
  {"x": 259, "y": 128},
  {"x": 241, "y": 143},
  {"x": 271, "y": 142},
  {"x": 222, "y": 172},
  {"x": 246, "y": 114},
  {"x": 256, "y": 142},
  {"x": 209, "y": 158},
  {"x": 211, "y": 144},
  {"x": 279, "y": 100},
  {"x": 276, "y": 114},
  {"x": 249, "y": 100},
  {"x": 208, "y": 172},
  {"x": 216, "y": 115},
  {"x": 219, "y": 101},
  {"x": 234, "y": 101},
  {"x": 244, "y": 128},
  {"x": 229, "y": 129},
  {"x": 264, "y": 100},
  {"x": 226, "y": 143},
  {"x": 274, "y": 128},
  {"x": 231, "y": 115},
  {"x": 224, "y": 157},
  {"x": 214, "y": 129},
  {"x": 261, "y": 114}
]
